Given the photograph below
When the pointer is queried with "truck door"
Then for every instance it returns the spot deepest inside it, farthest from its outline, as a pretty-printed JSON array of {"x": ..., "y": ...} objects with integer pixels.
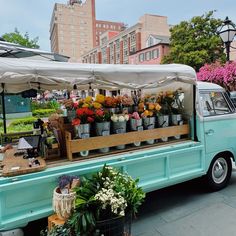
[{"x": 219, "y": 121}]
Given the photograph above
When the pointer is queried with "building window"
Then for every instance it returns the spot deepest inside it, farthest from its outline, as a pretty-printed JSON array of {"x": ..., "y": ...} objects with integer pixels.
[
  {"x": 148, "y": 56},
  {"x": 141, "y": 57},
  {"x": 155, "y": 53}
]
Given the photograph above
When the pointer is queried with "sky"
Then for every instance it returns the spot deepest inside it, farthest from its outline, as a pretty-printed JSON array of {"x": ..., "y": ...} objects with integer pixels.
[{"x": 33, "y": 16}]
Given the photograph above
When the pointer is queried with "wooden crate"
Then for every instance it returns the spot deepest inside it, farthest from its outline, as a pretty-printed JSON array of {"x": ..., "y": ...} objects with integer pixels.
[{"x": 78, "y": 145}]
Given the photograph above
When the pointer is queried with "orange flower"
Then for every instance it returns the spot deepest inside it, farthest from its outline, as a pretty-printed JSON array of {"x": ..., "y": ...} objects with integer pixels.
[
  {"x": 158, "y": 107},
  {"x": 151, "y": 106}
]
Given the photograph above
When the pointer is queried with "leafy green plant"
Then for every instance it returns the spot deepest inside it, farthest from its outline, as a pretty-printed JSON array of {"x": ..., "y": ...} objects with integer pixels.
[
  {"x": 107, "y": 194},
  {"x": 43, "y": 112}
]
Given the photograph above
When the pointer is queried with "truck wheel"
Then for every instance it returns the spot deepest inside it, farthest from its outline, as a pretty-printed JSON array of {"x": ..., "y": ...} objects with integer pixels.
[{"x": 219, "y": 172}]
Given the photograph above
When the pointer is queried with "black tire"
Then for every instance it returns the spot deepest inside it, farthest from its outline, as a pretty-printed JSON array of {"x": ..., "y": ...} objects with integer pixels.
[{"x": 219, "y": 172}]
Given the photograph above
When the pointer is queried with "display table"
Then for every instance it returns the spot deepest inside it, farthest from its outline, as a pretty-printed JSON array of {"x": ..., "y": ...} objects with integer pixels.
[{"x": 17, "y": 165}]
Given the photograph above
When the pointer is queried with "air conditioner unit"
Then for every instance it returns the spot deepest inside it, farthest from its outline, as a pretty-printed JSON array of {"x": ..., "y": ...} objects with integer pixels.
[{"x": 14, "y": 232}]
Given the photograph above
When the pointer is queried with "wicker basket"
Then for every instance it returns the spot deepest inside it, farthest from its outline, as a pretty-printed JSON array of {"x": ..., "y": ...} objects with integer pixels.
[{"x": 63, "y": 204}]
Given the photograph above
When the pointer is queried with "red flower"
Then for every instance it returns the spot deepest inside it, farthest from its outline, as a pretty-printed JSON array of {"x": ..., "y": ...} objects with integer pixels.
[
  {"x": 76, "y": 121},
  {"x": 99, "y": 112},
  {"x": 90, "y": 119}
]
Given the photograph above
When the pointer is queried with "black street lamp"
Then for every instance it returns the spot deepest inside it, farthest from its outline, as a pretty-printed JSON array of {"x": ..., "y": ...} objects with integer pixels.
[{"x": 227, "y": 33}]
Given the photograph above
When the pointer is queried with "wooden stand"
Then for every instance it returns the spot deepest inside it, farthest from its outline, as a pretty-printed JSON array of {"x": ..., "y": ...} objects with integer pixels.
[
  {"x": 53, "y": 220},
  {"x": 78, "y": 145}
]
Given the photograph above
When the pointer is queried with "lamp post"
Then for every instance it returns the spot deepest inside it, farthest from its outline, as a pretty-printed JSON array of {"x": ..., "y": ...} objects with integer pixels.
[{"x": 227, "y": 33}]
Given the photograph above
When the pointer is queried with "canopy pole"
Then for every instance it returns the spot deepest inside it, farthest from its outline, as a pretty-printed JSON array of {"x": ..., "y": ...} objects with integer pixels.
[{"x": 4, "y": 110}]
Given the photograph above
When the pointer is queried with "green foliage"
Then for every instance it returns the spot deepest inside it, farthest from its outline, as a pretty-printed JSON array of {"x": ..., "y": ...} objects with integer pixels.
[
  {"x": 43, "y": 112},
  {"x": 35, "y": 105},
  {"x": 23, "y": 121},
  {"x": 196, "y": 42},
  {"x": 18, "y": 38},
  {"x": 93, "y": 203}
]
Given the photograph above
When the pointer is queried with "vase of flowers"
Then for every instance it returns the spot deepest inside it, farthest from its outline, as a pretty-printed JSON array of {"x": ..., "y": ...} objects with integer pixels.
[
  {"x": 70, "y": 107},
  {"x": 149, "y": 122},
  {"x": 119, "y": 125},
  {"x": 177, "y": 109},
  {"x": 136, "y": 124},
  {"x": 102, "y": 125},
  {"x": 126, "y": 103},
  {"x": 111, "y": 105},
  {"x": 64, "y": 197},
  {"x": 85, "y": 116}
]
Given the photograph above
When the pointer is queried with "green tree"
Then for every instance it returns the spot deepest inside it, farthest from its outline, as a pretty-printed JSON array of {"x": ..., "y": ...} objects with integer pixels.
[
  {"x": 24, "y": 40},
  {"x": 196, "y": 42}
]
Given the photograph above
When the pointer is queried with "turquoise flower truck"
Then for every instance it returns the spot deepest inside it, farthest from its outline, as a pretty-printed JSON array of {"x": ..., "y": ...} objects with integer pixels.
[{"x": 208, "y": 148}]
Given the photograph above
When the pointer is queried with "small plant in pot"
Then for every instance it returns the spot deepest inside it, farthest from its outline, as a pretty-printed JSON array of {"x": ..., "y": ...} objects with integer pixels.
[{"x": 64, "y": 196}]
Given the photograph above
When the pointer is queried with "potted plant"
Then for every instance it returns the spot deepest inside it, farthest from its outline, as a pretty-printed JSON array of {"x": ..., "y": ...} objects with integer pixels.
[
  {"x": 119, "y": 122},
  {"x": 70, "y": 107},
  {"x": 136, "y": 124},
  {"x": 126, "y": 103},
  {"x": 102, "y": 125},
  {"x": 64, "y": 197},
  {"x": 103, "y": 203},
  {"x": 85, "y": 116}
]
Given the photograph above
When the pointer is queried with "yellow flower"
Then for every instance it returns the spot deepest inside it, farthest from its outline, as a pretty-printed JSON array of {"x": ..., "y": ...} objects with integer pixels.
[
  {"x": 146, "y": 113},
  {"x": 88, "y": 99},
  {"x": 158, "y": 107},
  {"x": 85, "y": 105},
  {"x": 150, "y": 113},
  {"x": 151, "y": 106},
  {"x": 100, "y": 98},
  {"x": 97, "y": 105}
]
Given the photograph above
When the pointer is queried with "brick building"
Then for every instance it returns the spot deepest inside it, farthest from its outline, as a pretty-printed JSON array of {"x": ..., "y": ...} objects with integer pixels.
[
  {"x": 117, "y": 48},
  {"x": 74, "y": 29}
]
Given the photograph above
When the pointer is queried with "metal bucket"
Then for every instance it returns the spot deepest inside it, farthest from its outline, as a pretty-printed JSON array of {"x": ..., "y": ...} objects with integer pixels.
[
  {"x": 163, "y": 121},
  {"x": 149, "y": 123},
  {"x": 119, "y": 128},
  {"x": 71, "y": 114},
  {"x": 82, "y": 131},
  {"x": 176, "y": 119},
  {"x": 136, "y": 125},
  {"x": 103, "y": 129},
  {"x": 127, "y": 110}
]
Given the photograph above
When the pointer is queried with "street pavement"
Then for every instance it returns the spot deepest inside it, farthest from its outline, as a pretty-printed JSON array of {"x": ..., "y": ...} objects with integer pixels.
[{"x": 188, "y": 209}]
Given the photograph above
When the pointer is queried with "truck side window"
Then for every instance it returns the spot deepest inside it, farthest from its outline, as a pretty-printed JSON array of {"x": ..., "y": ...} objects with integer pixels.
[{"x": 214, "y": 103}]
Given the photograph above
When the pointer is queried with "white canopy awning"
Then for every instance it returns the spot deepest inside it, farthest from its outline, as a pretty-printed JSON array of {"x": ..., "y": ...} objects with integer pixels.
[{"x": 19, "y": 74}]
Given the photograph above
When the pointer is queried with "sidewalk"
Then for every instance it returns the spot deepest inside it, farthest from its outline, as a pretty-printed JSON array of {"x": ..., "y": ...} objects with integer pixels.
[{"x": 188, "y": 210}]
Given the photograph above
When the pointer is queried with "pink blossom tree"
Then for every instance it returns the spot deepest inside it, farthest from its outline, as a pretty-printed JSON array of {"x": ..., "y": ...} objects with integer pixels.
[{"x": 224, "y": 75}]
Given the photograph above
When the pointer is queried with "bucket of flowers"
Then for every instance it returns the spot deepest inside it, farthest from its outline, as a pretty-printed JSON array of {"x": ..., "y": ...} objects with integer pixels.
[
  {"x": 104, "y": 205},
  {"x": 82, "y": 123},
  {"x": 119, "y": 124},
  {"x": 136, "y": 124},
  {"x": 126, "y": 103},
  {"x": 70, "y": 107},
  {"x": 102, "y": 125},
  {"x": 111, "y": 104}
]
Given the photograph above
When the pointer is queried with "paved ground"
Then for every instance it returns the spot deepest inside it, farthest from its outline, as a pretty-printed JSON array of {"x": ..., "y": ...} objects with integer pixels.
[
  {"x": 182, "y": 210},
  {"x": 188, "y": 210}
]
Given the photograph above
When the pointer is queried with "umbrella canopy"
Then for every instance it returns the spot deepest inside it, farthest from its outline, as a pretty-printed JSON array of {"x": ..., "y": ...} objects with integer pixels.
[
  {"x": 19, "y": 74},
  {"x": 11, "y": 50}
]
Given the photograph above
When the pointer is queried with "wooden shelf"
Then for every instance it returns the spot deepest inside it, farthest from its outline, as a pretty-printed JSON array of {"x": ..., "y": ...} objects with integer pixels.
[{"x": 78, "y": 145}]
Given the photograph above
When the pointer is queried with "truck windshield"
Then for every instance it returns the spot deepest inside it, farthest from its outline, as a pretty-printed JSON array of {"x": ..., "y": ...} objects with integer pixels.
[{"x": 214, "y": 103}]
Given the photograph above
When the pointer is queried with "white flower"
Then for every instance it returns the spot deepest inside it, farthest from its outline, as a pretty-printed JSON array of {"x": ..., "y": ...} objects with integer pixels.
[
  {"x": 121, "y": 118},
  {"x": 114, "y": 118},
  {"x": 126, "y": 117}
]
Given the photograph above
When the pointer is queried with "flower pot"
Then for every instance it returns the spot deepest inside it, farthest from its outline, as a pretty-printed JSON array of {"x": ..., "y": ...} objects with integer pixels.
[
  {"x": 136, "y": 125},
  {"x": 82, "y": 131},
  {"x": 71, "y": 114},
  {"x": 149, "y": 123},
  {"x": 103, "y": 129},
  {"x": 111, "y": 227},
  {"x": 119, "y": 127},
  {"x": 63, "y": 204},
  {"x": 163, "y": 121},
  {"x": 176, "y": 119}
]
